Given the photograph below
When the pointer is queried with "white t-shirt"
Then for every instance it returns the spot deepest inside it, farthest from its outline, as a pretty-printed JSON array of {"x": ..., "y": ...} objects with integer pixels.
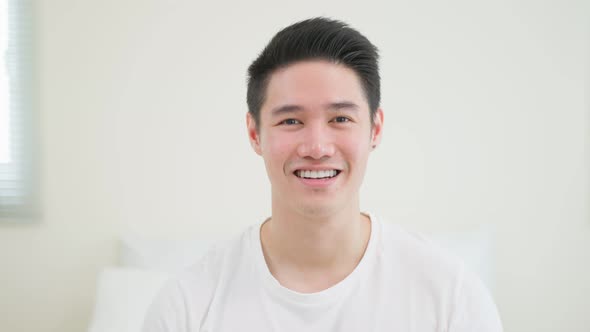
[{"x": 402, "y": 283}]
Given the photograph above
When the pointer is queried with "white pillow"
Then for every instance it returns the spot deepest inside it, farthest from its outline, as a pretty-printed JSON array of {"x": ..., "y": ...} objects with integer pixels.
[
  {"x": 165, "y": 255},
  {"x": 473, "y": 247},
  {"x": 123, "y": 297},
  {"x": 172, "y": 256}
]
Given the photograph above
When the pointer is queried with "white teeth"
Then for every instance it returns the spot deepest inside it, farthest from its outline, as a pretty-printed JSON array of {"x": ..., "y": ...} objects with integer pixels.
[{"x": 316, "y": 174}]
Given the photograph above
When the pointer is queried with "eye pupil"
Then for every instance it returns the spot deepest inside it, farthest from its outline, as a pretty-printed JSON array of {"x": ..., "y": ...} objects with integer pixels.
[{"x": 290, "y": 122}]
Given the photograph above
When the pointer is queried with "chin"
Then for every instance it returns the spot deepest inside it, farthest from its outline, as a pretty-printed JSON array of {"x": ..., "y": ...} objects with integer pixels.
[{"x": 318, "y": 210}]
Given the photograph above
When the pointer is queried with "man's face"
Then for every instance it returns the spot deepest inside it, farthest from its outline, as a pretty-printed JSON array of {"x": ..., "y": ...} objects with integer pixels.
[{"x": 315, "y": 136}]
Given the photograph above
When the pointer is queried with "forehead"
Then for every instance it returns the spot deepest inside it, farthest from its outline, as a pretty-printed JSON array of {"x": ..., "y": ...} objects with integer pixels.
[{"x": 310, "y": 84}]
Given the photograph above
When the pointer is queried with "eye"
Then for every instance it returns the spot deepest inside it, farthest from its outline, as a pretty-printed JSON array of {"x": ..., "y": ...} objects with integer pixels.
[
  {"x": 290, "y": 122},
  {"x": 341, "y": 119}
]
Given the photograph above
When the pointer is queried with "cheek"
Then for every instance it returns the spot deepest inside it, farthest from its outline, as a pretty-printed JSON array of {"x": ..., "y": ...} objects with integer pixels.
[
  {"x": 277, "y": 145},
  {"x": 355, "y": 147},
  {"x": 275, "y": 150}
]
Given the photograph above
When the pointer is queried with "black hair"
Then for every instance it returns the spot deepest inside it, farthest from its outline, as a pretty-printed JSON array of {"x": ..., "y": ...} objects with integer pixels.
[{"x": 316, "y": 38}]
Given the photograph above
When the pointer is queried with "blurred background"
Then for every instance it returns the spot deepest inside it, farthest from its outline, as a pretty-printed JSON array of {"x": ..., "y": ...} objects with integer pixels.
[{"x": 140, "y": 107}]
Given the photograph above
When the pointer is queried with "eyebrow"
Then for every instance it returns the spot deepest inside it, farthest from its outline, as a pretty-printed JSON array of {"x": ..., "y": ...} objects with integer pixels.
[
  {"x": 338, "y": 106},
  {"x": 285, "y": 109},
  {"x": 344, "y": 105}
]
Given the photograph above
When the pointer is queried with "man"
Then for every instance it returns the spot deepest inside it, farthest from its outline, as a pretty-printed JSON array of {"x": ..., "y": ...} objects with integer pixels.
[{"x": 318, "y": 263}]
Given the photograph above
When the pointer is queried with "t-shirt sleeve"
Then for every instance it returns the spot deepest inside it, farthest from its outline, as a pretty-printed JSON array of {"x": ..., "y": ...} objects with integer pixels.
[
  {"x": 474, "y": 308},
  {"x": 168, "y": 311}
]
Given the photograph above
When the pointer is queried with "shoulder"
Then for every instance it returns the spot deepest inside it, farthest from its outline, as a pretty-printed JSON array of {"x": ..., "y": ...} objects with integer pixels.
[
  {"x": 184, "y": 300},
  {"x": 429, "y": 268},
  {"x": 201, "y": 279},
  {"x": 474, "y": 307}
]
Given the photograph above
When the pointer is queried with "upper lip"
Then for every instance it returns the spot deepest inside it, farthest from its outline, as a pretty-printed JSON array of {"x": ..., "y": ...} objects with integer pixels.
[{"x": 316, "y": 168}]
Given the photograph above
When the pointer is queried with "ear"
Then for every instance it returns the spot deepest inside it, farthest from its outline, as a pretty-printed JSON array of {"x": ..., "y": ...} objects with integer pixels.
[
  {"x": 377, "y": 131},
  {"x": 253, "y": 134}
]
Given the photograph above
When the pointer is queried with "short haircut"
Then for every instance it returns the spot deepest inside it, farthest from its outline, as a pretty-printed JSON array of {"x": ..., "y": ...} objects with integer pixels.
[{"x": 315, "y": 39}]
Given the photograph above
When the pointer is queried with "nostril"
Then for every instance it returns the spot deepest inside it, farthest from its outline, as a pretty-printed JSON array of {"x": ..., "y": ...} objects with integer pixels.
[{"x": 315, "y": 151}]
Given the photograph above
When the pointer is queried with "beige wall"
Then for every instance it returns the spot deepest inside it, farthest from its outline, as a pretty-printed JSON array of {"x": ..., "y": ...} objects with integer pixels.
[{"x": 142, "y": 115}]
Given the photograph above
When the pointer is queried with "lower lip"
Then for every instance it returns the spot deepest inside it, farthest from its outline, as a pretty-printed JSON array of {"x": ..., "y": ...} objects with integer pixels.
[{"x": 318, "y": 183}]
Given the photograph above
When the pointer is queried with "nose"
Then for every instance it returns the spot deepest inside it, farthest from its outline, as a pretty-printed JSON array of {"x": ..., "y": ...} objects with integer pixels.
[{"x": 316, "y": 143}]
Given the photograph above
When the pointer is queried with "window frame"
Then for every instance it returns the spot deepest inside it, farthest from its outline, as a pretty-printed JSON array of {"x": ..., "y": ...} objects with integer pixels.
[{"x": 20, "y": 187}]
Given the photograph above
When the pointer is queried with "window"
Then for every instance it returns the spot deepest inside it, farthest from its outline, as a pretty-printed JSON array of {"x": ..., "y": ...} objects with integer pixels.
[{"x": 18, "y": 155}]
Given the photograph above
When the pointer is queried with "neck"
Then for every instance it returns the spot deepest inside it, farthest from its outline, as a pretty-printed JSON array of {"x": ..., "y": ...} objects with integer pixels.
[{"x": 300, "y": 246}]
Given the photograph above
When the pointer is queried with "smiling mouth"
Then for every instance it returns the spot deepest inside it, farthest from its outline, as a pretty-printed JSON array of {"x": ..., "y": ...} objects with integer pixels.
[{"x": 323, "y": 174}]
